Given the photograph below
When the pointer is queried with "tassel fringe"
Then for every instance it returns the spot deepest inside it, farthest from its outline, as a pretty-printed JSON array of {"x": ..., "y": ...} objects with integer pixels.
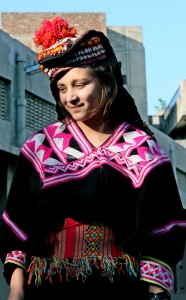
[{"x": 44, "y": 268}]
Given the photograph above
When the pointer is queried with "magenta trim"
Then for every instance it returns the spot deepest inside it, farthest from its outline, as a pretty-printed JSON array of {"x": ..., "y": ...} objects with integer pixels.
[
  {"x": 20, "y": 234},
  {"x": 167, "y": 227}
]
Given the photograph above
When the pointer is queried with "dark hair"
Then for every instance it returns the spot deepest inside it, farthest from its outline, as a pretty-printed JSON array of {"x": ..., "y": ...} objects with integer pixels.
[{"x": 116, "y": 103}]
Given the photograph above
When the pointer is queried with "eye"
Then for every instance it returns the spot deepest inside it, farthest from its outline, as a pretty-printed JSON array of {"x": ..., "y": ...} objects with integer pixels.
[
  {"x": 80, "y": 84},
  {"x": 62, "y": 89}
]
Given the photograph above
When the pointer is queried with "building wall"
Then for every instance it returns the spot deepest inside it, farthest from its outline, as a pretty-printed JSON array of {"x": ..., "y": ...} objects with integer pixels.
[{"x": 127, "y": 42}]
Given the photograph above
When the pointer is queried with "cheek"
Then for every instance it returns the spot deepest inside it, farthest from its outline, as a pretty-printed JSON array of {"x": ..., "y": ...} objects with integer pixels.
[
  {"x": 96, "y": 99},
  {"x": 62, "y": 99},
  {"x": 93, "y": 97}
]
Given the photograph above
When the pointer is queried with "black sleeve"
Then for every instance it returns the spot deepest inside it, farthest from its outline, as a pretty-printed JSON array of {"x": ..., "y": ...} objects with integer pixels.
[
  {"x": 18, "y": 217},
  {"x": 162, "y": 217}
]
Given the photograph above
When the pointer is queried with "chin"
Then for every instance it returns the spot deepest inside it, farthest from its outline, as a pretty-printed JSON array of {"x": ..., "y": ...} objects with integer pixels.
[{"x": 80, "y": 118}]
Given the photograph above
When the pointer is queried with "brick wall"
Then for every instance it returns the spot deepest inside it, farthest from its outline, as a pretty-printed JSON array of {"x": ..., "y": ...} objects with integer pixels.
[{"x": 22, "y": 26}]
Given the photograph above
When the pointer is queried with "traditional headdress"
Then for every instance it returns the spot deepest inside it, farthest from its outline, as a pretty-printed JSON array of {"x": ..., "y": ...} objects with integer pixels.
[{"x": 62, "y": 49}]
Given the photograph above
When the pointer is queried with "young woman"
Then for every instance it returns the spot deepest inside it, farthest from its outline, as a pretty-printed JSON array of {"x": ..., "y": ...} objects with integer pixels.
[{"x": 93, "y": 206}]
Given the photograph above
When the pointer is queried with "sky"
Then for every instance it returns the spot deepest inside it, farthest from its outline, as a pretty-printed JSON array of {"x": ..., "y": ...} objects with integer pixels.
[{"x": 163, "y": 25}]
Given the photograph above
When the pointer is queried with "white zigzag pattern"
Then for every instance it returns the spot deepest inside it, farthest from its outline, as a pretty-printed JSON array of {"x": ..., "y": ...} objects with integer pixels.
[{"x": 100, "y": 154}]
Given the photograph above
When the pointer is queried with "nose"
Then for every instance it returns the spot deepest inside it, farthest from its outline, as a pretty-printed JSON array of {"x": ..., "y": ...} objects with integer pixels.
[{"x": 71, "y": 96}]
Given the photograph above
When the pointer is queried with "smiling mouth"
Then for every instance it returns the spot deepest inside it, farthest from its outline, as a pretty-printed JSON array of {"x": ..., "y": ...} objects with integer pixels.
[{"x": 75, "y": 108}]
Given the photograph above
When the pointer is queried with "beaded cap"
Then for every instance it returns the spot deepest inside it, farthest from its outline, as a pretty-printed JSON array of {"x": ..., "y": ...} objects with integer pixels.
[{"x": 62, "y": 49}]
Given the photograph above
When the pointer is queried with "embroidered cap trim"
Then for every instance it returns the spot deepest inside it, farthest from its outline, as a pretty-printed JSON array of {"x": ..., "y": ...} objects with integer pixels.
[{"x": 89, "y": 51}]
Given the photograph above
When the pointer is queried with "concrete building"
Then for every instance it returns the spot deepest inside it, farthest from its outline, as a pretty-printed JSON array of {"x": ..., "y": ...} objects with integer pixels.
[{"x": 26, "y": 103}]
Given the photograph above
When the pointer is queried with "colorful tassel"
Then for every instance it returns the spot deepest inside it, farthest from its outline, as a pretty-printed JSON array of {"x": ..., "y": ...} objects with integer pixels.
[{"x": 81, "y": 268}]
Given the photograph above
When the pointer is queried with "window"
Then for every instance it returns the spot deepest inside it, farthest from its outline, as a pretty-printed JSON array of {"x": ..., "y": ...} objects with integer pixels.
[
  {"x": 4, "y": 99},
  {"x": 39, "y": 112}
]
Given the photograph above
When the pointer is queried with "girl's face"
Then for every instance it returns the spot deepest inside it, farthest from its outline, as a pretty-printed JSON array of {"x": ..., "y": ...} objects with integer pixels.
[{"x": 80, "y": 93}]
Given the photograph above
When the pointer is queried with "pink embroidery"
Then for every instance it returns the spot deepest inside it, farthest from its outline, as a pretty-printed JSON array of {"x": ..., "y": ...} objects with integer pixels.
[
  {"x": 156, "y": 272},
  {"x": 129, "y": 150},
  {"x": 17, "y": 257}
]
